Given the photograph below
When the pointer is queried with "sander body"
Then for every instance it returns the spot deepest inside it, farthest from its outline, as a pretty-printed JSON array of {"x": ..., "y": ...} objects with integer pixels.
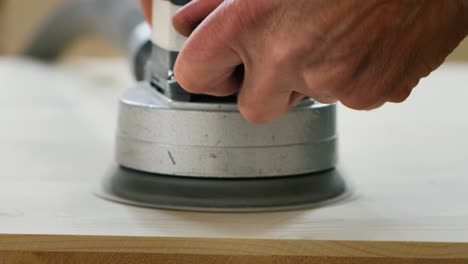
[{"x": 186, "y": 151}]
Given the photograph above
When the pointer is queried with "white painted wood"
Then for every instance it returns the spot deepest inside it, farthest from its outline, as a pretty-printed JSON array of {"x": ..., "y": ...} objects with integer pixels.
[{"x": 408, "y": 162}]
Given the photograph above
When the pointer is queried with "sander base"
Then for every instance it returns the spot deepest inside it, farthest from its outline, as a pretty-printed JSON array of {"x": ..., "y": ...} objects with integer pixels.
[{"x": 223, "y": 195}]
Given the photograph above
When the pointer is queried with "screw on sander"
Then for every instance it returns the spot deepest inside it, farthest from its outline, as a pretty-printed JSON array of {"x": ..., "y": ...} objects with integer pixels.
[{"x": 161, "y": 75}]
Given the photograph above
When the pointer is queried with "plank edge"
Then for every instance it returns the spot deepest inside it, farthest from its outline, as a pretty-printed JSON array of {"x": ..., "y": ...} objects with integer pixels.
[{"x": 231, "y": 247}]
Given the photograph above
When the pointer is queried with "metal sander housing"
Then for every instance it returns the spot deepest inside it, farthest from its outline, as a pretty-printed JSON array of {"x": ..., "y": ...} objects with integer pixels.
[
  {"x": 192, "y": 152},
  {"x": 186, "y": 151},
  {"x": 197, "y": 139},
  {"x": 204, "y": 156}
]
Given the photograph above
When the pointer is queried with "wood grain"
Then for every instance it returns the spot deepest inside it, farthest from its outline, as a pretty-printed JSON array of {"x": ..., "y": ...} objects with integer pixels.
[
  {"x": 180, "y": 250},
  {"x": 2, "y": 26},
  {"x": 129, "y": 258},
  {"x": 408, "y": 165}
]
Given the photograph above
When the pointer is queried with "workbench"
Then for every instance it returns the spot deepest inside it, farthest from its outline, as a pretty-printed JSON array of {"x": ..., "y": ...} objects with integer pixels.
[{"x": 407, "y": 164}]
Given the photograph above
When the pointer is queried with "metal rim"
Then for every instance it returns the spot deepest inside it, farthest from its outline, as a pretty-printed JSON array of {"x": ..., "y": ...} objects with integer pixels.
[{"x": 155, "y": 137}]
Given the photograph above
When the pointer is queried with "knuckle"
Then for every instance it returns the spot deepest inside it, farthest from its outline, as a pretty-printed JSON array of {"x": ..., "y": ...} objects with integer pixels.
[
  {"x": 280, "y": 56},
  {"x": 329, "y": 79}
]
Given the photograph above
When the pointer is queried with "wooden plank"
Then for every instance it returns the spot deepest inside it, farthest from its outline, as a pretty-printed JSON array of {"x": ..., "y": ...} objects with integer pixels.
[
  {"x": 228, "y": 250},
  {"x": 233, "y": 247},
  {"x": 130, "y": 258},
  {"x": 2, "y": 26},
  {"x": 408, "y": 164}
]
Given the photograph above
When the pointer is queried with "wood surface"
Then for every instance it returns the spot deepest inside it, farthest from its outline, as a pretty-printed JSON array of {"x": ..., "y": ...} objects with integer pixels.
[
  {"x": 408, "y": 164},
  {"x": 2, "y": 26},
  {"x": 86, "y": 249}
]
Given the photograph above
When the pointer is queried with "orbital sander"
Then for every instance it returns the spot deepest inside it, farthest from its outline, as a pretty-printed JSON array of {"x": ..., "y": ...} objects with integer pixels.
[{"x": 186, "y": 151}]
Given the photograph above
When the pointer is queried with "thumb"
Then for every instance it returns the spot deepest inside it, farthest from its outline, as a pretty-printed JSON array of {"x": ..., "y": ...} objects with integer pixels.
[{"x": 207, "y": 64}]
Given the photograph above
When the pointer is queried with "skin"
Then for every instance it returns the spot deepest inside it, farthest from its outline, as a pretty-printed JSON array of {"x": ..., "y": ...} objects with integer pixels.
[{"x": 275, "y": 52}]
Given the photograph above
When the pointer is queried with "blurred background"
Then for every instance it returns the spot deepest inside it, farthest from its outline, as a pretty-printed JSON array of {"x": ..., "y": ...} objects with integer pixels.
[{"x": 20, "y": 19}]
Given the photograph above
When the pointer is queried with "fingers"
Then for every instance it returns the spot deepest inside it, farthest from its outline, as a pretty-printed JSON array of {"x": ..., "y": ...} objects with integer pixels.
[
  {"x": 269, "y": 90},
  {"x": 146, "y": 6},
  {"x": 261, "y": 103},
  {"x": 207, "y": 64},
  {"x": 222, "y": 38},
  {"x": 192, "y": 14}
]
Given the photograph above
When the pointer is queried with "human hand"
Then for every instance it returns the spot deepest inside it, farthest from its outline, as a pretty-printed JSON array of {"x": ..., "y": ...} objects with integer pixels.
[{"x": 362, "y": 53}]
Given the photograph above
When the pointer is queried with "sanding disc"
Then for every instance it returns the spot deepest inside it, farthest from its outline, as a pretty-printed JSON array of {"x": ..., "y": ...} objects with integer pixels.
[{"x": 223, "y": 195}]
